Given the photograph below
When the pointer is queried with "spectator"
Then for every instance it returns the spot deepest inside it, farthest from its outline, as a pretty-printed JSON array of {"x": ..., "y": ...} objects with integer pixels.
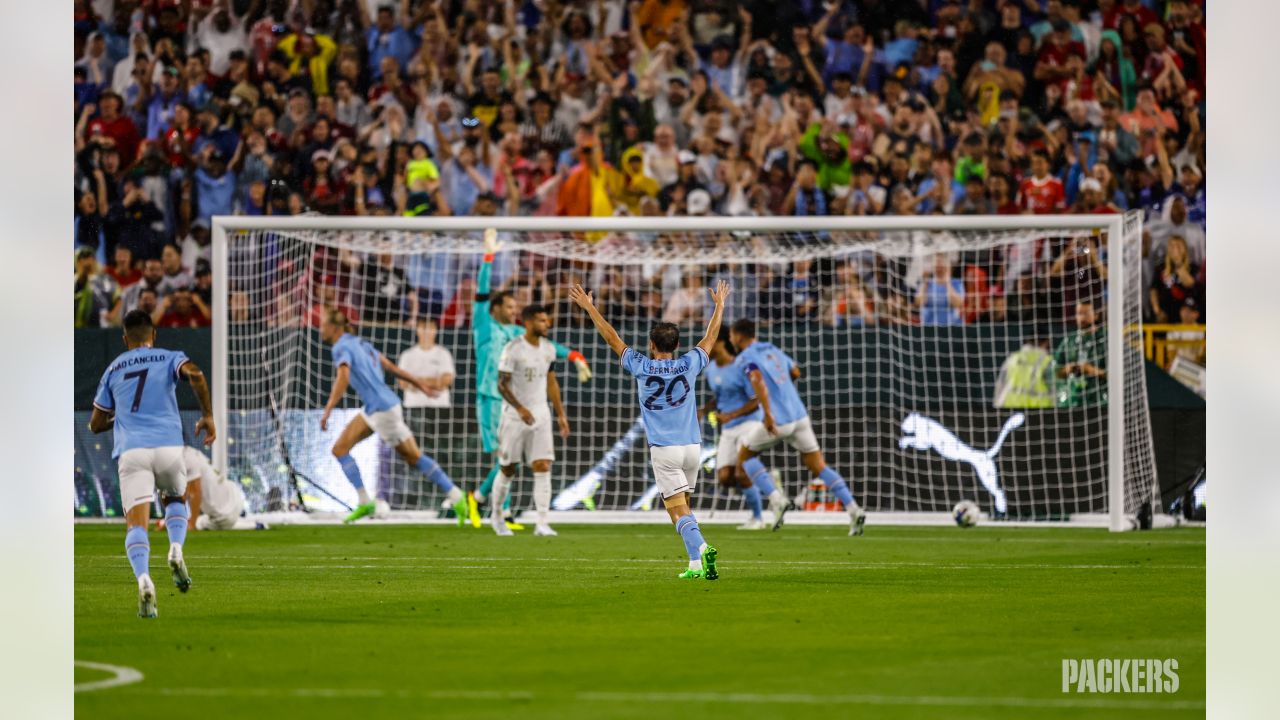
[
  {"x": 110, "y": 123},
  {"x": 95, "y": 291},
  {"x": 176, "y": 276},
  {"x": 181, "y": 309},
  {"x": 131, "y": 298},
  {"x": 431, "y": 364},
  {"x": 805, "y": 197},
  {"x": 688, "y": 303},
  {"x": 1080, "y": 361},
  {"x": 122, "y": 269},
  {"x": 196, "y": 245},
  {"x": 1175, "y": 221},
  {"x": 940, "y": 297},
  {"x": 386, "y": 291},
  {"x": 215, "y": 185},
  {"x": 132, "y": 221},
  {"x": 1042, "y": 193},
  {"x": 1175, "y": 282}
]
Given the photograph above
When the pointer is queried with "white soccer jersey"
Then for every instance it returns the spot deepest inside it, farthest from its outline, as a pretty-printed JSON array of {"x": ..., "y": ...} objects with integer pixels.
[
  {"x": 426, "y": 363},
  {"x": 528, "y": 365},
  {"x": 220, "y": 498}
]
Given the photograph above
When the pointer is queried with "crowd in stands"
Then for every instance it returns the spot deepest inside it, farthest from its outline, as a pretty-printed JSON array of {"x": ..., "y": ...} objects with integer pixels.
[{"x": 195, "y": 108}]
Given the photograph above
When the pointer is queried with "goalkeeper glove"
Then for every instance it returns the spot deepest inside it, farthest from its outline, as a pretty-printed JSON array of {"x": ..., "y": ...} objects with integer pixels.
[
  {"x": 713, "y": 418},
  {"x": 579, "y": 361}
]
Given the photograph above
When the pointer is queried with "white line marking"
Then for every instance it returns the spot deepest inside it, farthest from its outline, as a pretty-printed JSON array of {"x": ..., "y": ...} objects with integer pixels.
[
  {"x": 734, "y": 698},
  {"x": 121, "y": 675}
]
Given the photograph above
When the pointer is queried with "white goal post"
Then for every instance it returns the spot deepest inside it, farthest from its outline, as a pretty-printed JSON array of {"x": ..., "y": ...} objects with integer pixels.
[{"x": 1094, "y": 458}]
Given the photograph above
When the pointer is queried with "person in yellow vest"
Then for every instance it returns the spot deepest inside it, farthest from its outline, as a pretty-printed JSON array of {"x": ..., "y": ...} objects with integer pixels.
[
  {"x": 1027, "y": 377},
  {"x": 316, "y": 51},
  {"x": 636, "y": 185}
]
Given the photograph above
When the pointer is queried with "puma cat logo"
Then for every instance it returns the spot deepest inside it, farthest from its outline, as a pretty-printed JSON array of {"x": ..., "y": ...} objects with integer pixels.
[{"x": 924, "y": 433}]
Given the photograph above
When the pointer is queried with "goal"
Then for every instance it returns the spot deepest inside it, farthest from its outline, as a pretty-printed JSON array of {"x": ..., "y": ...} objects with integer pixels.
[{"x": 990, "y": 358}]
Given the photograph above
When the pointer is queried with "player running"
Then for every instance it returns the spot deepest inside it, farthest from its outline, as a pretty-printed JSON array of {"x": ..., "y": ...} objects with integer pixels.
[
  {"x": 493, "y": 326},
  {"x": 737, "y": 413},
  {"x": 526, "y": 381},
  {"x": 771, "y": 373},
  {"x": 665, "y": 384},
  {"x": 360, "y": 365},
  {"x": 136, "y": 396},
  {"x": 215, "y": 502}
]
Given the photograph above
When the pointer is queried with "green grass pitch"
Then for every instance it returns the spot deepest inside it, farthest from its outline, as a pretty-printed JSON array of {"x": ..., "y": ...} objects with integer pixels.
[{"x": 387, "y": 621}]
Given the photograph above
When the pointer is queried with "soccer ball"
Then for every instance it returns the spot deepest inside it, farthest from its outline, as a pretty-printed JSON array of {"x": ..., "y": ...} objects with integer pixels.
[
  {"x": 381, "y": 509},
  {"x": 966, "y": 513}
]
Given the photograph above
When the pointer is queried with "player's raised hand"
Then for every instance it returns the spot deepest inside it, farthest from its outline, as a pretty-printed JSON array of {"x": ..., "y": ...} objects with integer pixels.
[
  {"x": 581, "y": 297},
  {"x": 720, "y": 292},
  {"x": 491, "y": 244},
  {"x": 205, "y": 425}
]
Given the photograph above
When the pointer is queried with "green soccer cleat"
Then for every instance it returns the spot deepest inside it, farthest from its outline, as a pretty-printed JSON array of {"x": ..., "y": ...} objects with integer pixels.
[
  {"x": 363, "y": 510},
  {"x": 461, "y": 511},
  {"x": 473, "y": 510},
  {"x": 709, "y": 563},
  {"x": 690, "y": 574}
]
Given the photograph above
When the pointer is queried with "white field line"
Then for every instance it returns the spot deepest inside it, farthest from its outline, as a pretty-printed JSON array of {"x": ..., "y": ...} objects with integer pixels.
[
  {"x": 1067, "y": 702},
  {"x": 120, "y": 675},
  {"x": 429, "y": 562}
]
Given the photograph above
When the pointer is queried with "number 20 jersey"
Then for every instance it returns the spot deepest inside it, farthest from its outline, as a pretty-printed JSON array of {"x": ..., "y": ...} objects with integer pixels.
[
  {"x": 668, "y": 404},
  {"x": 138, "y": 388}
]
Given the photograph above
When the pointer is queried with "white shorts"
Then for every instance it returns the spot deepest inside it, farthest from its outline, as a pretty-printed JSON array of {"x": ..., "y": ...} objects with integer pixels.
[
  {"x": 798, "y": 434},
  {"x": 145, "y": 470},
  {"x": 388, "y": 425},
  {"x": 675, "y": 468},
  {"x": 731, "y": 439},
  {"x": 519, "y": 442},
  {"x": 222, "y": 506}
]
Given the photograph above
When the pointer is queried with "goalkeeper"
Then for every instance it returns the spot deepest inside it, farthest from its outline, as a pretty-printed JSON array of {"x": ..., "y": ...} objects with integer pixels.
[{"x": 492, "y": 327}]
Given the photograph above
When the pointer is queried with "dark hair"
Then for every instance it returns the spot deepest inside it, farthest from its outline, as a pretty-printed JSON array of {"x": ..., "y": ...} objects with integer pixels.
[
  {"x": 496, "y": 299},
  {"x": 724, "y": 338},
  {"x": 745, "y": 327},
  {"x": 531, "y": 311},
  {"x": 665, "y": 337},
  {"x": 138, "y": 326}
]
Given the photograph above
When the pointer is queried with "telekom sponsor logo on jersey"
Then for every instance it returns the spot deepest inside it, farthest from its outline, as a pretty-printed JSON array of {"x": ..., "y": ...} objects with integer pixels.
[{"x": 1119, "y": 675}]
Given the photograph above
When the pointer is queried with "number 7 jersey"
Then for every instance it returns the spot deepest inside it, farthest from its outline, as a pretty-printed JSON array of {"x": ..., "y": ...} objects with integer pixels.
[
  {"x": 668, "y": 405},
  {"x": 138, "y": 388}
]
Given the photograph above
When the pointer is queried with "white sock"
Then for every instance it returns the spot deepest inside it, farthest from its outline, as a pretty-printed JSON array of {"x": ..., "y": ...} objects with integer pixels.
[
  {"x": 454, "y": 496},
  {"x": 778, "y": 497},
  {"x": 501, "y": 485},
  {"x": 695, "y": 564},
  {"x": 542, "y": 495},
  {"x": 363, "y": 495}
]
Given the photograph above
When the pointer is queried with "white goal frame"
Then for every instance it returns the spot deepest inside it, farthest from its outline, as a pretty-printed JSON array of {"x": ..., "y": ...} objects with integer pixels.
[{"x": 1112, "y": 224}]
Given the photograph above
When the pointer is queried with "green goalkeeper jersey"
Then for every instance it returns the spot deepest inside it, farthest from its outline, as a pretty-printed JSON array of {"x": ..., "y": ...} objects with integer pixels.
[{"x": 491, "y": 336}]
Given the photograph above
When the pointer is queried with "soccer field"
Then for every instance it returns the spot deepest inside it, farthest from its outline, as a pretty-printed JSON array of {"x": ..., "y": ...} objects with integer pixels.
[{"x": 397, "y": 621}]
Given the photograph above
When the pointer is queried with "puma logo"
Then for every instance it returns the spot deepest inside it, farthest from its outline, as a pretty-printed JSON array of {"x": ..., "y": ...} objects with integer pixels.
[{"x": 924, "y": 433}]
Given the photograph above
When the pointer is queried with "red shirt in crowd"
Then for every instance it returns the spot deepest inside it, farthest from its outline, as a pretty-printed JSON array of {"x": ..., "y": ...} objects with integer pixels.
[
  {"x": 122, "y": 131},
  {"x": 1042, "y": 197}
]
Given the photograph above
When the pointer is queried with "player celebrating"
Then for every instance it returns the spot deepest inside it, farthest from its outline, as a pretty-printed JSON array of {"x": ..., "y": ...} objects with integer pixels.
[
  {"x": 665, "y": 384},
  {"x": 738, "y": 414},
  {"x": 215, "y": 502},
  {"x": 771, "y": 373},
  {"x": 493, "y": 327},
  {"x": 526, "y": 381},
  {"x": 148, "y": 444},
  {"x": 360, "y": 365}
]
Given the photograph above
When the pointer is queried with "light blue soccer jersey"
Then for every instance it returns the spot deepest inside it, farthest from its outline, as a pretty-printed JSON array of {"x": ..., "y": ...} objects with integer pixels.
[
  {"x": 668, "y": 405},
  {"x": 139, "y": 388},
  {"x": 775, "y": 367},
  {"x": 732, "y": 391},
  {"x": 367, "y": 377}
]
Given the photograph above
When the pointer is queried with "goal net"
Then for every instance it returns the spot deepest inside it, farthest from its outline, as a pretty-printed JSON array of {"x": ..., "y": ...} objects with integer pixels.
[{"x": 996, "y": 359}]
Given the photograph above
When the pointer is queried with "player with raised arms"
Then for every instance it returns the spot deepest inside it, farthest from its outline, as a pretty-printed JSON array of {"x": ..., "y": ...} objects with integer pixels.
[
  {"x": 665, "y": 384},
  {"x": 526, "y": 381},
  {"x": 772, "y": 373},
  {"x": 136, "y": 397},
  {"x": 359, "y": 365},
  {"x": 493, "y": 327},
  {"x": 737, "y": 413}
]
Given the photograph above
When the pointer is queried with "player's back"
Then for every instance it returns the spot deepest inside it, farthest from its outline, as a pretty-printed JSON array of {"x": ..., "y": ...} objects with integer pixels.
[
  {"x": 775, "y": 368},
  {"x": 732, "y": 391},
  {"x": 665, "y": 387},
  {"x": 138, "y": 387},
  {"x": 366, "y": 375}
]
